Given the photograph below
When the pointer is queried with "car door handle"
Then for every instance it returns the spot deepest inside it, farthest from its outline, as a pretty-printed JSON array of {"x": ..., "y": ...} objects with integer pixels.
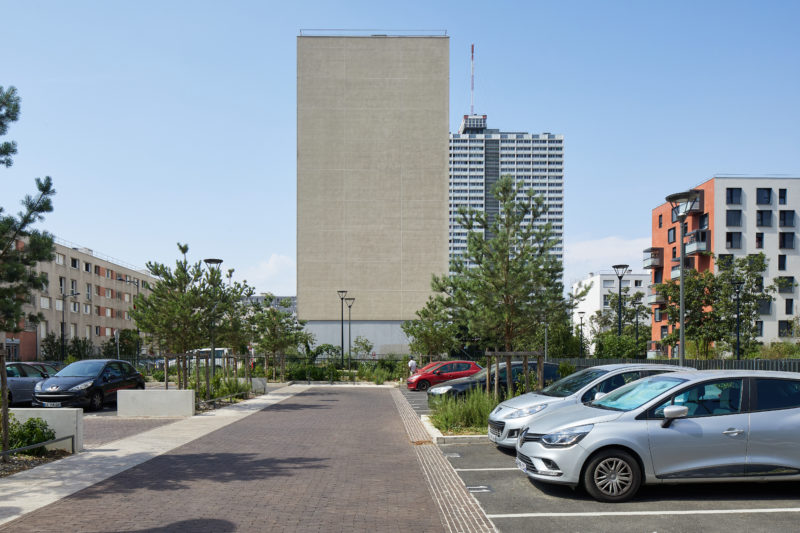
[{"x": 733, "y": 431}]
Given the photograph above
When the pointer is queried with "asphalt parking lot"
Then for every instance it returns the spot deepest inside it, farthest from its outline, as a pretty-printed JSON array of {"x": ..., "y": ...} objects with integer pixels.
[{"x": 515, "y": 503}]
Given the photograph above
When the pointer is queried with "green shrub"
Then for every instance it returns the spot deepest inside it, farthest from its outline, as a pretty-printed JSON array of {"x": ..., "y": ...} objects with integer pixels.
[
  {"x": 470, "y": 412},
  {"x": 158, "y": 375},
  {"x": 33, "y": 431},
  {"x": 565, "y": 369}
]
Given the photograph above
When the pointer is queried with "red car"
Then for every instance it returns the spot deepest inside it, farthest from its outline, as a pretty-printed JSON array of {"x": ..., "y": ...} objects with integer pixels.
[{"x": 435, "y": 373}]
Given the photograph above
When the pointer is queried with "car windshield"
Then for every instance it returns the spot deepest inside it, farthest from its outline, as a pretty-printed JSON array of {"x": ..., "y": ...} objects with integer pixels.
[
  {"x": 573, "y": 383},
  {"x": 81, "y": 369},
  {"x": 636, "y": 394}
]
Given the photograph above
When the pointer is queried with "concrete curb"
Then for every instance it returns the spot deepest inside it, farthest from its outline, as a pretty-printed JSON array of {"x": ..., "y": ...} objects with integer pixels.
[{"x": 438, "y": 438}]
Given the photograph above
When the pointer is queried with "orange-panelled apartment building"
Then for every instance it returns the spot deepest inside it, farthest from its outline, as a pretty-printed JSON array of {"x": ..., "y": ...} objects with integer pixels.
[
  {"x": 733, "y": 216},
  {"x": 104, "y": 291}
]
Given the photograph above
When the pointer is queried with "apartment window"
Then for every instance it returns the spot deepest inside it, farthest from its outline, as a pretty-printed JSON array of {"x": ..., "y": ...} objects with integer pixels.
[
  {"x": 759, "y": 240},
  {"x": 97, "y": 331},
  {"x": 674, "y": 215},
  {"x": 59, "y": 305},
  {"x": 44, "y": 302},
  {"x": 733, "y": 239},
  {"x": 764, "y": 307},
  {"x": 760, "y": 284},
  {"x": 89, "y": 291},
  {"x": 784, "y": 328},
  {"x": 74, "y": 263},
  {"x": 97, "y": 310},
  {"x": 786, "y": 219},
  {"x": 87, "y": 332},
  {"x": 657, "y": 315},
  {"x": 658, "y": 275},
  {"x": 671, "y": 235},
  {"x": 674, "y": 252},
  {"x": 785, "y": 284},
  {"x": 704, "y": 221},
  {"x": 660, "y": 220},
  {"x": 605, "y": 300},
  {"x": 764, "y": 218},
  {"x": 664, "y": 331},
  {"x": 98, "y": 290},
  {"x": 109, "y": 273},
  {"x": 782, "y": 196},
  {"x": 608, "y": 283},
  {"x": 62, "y": 285},
  {"x": 625, "y": 283},
  {"x": 73, "y": 285},
  {"x": 786, "y": 240},
  {"x": 97, "y": 270},
  {"x": 87, "y": 309},
  {"x": 108, "y": 312},
  {"x": 42, "y": 329},
  {"x": 763, "y": 196},
  {"x": 72, "y": 329},
  {"x": 637, "y": 283},
  {"x": 733, "y": 217},
  {"x": 781, "y": 262},
  {"x": 759, "y": 328},
  {"x": 60, "y": 259},
  {"x": 108, "y": 332},
  {"x": 75, "y": 307},
  {"x": 789, "y": 306},
  {"x": 87, "y": 267},
  {"x": 733, "y": 195}
]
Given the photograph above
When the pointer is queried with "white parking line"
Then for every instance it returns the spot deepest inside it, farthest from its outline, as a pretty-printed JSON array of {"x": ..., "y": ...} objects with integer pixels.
[
  {"x": 484, "y": 469},
  {"x": 647, "y": 513}
]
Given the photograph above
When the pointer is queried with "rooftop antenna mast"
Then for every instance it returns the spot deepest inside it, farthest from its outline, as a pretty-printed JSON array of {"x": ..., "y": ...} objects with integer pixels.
[{"x": 472, "y": 81}]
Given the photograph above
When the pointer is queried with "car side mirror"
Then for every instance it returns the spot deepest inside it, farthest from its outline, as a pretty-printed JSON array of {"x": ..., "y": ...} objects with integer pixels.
[
  {"x": 671, "y": 412},
  {"x": 599, "y": 395}
]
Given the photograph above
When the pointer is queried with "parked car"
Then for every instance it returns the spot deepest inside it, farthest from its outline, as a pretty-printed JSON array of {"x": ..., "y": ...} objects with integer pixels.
[
  {"x": 459, "y": 387},
  {"x": 435, "y": 373},
  {"x": 90, "y": 383},
  {"x": 22, "y": 378},
  {"x": 704, "y": 426},
  {"x": 508, "y": 418},
  {"x": 48, "y": 368}
]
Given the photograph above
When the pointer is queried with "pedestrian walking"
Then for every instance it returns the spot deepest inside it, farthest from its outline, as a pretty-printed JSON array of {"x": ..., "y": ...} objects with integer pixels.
[{"x": 412, "y": 365}]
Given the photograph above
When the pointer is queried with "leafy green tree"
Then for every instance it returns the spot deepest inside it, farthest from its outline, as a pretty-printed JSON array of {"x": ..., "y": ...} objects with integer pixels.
[
  {"x": 508, "y": 282},
  {"x": 604, "y": 327},
  {"x": 127, "y": 345},
  {"x": 362, "y": 347},
  {"x": 50, "y": 347},
  {"x": 21, "y": 247},
  {"x": 81, "y": 348},
  {"x": 433, "y": 332},
  {"x": 278, "y": 328}
]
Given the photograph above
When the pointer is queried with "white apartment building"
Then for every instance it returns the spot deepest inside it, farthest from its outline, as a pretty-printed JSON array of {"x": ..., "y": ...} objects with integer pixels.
[
  {"x": 479, "y": 156},
  {"x": 597, "y": 299}
]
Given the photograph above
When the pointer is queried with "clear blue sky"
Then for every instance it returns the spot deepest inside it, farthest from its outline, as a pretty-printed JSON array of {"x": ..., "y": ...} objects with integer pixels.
[{"x": 165, "y": 122}]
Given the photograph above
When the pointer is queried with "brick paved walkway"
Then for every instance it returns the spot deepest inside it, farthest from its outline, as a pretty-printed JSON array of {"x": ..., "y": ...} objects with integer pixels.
[
  {"x": 99, "y": 430},
  {"x": 329, "y": 459}
]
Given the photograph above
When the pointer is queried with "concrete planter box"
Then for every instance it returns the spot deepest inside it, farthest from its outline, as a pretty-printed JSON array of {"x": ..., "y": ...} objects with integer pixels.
[
  {"x": 259, "y": 385},
  {"x": 155, "y": 403},
  {"x": 65, "y": 421}
]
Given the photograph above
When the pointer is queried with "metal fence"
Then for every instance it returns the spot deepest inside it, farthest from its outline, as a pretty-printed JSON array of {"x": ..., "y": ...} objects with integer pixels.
[{"x": 785, "y": 365}]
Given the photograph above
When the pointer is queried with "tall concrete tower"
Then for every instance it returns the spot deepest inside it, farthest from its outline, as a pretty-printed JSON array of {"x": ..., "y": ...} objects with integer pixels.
[{"x": 372, "y": 181}]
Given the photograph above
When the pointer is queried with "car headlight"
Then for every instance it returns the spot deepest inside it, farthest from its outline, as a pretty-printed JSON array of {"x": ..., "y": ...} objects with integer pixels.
[
  {"x": 38, "y": 386},
  {"x": 519, "y": 413},
  {"x": 440, "y": 390},
  {"x": 566, "y": 437},
  {"x": 82, "y": 386}
]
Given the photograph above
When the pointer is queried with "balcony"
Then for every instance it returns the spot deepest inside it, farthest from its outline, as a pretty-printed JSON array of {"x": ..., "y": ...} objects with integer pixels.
[
  {"x": 653, "y": 258},
  {"x": 654, "y": 350},
  {"x": 697, "y": 242},
  {"x": 688, "y": 264},
  {"x": 655, "y": 298}
]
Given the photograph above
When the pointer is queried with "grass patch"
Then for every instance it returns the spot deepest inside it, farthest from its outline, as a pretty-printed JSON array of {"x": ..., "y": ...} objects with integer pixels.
[{"x": 463, "y": 415}]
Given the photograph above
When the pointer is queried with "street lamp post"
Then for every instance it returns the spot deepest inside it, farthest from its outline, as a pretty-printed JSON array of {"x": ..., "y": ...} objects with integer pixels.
[
  {"x": 682, "y": 203},
  {"x": 64, "y": 322},
  {"x": 737, "y": 287},
  {"x": 636, "y": 304},
  {"x": 342, "y": 294},
  {"x": 349, "y": 302},
  {"x": 580, "y": 314},
  {"x": 620, "y": 271},
  {"x": 213, "y": 263}
]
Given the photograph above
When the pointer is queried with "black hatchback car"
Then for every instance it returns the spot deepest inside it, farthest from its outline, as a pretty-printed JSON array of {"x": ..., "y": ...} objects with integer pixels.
[{"x": 90, "y": 383}]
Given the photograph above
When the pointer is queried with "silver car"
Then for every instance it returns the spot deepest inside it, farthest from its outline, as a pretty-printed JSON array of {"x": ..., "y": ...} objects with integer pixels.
[
  {"x": 508, "y": 418},
  {"x": 22, "y": 378},
  {"x": 701, "y": 426}
]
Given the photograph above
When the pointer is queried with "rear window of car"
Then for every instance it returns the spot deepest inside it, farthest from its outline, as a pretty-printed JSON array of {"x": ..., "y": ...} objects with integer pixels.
[{"x": 774, "y": 394}]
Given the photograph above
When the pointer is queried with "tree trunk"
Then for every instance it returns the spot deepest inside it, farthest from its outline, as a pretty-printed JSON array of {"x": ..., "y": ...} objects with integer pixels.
[
  {"x": 527, "y": 373},
  {"x": 4, "y": 392},
  {"x": 496, "y": 376},
  {"x": 166, "y": 372},
  {"x": 185, "y": 362},
  {"x": 540, "y": 372},
  {"x": 283, "y": 368},
  {"x": 208, "y": 378},
  {"x": 180, "y": 371},
  {"x": 197, "y": 375},
  {"x": 509, "y": 378}
]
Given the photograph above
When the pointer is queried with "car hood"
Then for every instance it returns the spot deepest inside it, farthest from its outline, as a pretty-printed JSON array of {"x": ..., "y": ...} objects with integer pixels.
[
  {"x": 64, "y": 383},
  {"x": 524, "y": 401},
  {"x": 573, "y": 415}
]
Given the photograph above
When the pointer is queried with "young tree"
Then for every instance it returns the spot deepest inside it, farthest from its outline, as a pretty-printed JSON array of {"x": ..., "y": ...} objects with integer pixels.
[
  {"x": 433, "y": 332},
  {"x": 279, "y": 329},
  {"x": 81, "y": 348},
  {"x": 508, "y": 282},
  {"x": 21, "y": 247},
  {"x": 50, "y": 347}
]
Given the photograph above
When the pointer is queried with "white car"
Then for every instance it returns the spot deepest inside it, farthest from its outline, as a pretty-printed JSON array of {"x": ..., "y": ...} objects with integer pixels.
[
  {"x": 683, "y": 427},
  {"x": 507, "y": 419}
]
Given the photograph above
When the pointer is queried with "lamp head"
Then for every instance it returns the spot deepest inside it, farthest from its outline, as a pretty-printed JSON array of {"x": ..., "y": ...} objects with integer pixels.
[
  {"x": 341, "y": 294},
  {"x": 683, "y": 202},
  {"x": 737, "y": 283},
  {"x": 349, "y": 301},
  {"x": 212, "y": 262},
  {"x": 620, "y": 270}
]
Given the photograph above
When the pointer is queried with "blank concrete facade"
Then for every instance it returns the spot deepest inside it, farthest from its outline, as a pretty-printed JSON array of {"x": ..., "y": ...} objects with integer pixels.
[{"x": 372, "y": 180}]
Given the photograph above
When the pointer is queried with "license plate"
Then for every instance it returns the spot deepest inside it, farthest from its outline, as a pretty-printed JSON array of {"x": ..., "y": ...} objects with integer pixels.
[
  {"x": 51, "y": 404},
  {"x": 522, "y": 466},
  {"x": 492, "y": 437}
]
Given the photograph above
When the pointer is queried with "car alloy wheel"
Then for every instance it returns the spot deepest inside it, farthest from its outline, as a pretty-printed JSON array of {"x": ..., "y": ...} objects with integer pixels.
[
  {"x": 96, "y": 401},
  {"x": 612, "y": 476},
  {"x": 423, "y": 385}
]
